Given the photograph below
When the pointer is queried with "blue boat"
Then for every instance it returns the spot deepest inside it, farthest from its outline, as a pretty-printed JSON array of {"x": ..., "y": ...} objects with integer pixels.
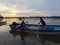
[{"x": 36, "y": 28}]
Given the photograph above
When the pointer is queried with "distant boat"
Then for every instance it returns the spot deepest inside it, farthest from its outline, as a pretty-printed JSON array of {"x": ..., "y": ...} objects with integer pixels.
[{"x": 2, "y": 21}]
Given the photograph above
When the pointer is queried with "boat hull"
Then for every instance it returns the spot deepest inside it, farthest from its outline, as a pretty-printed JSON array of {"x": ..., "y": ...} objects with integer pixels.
[{"x": 48, "y": 29}]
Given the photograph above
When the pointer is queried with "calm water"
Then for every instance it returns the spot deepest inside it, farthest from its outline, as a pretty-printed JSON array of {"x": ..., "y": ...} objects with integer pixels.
[
  {"x": 7, "y": 39},
  {"x": 49, "y": 21}
]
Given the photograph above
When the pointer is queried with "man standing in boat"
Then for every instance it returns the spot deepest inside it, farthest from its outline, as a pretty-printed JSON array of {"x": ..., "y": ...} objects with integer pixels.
[{"x": 43, "y": 23}]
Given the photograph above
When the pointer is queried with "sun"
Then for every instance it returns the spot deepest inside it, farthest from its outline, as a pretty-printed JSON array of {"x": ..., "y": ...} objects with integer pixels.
[{"x": 14, "y": 11}]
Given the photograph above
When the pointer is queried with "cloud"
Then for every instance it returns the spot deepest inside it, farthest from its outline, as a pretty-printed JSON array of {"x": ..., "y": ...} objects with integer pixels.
[
  {"x": 3, "y": 8},
  {"x": 7, "y": 8},
  {"x": 30, "y": 7}
]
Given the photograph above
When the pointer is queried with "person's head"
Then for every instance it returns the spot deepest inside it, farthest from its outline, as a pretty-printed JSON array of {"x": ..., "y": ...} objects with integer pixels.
[
  {"x": 40, "y": 18},
  {"x": 20, "y": 18},
  {"x": 13, "y": 23}
]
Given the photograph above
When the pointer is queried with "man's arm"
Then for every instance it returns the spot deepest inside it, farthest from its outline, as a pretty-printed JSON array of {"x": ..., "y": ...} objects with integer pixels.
[{"x": 39, "y": 22}]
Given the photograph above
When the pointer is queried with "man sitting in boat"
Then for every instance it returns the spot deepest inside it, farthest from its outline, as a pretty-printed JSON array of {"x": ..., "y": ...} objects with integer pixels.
[
  {"x": 15, "y": 25},
  {"x": 21, "y": 25},
  {"x": 43, "y": 23}
]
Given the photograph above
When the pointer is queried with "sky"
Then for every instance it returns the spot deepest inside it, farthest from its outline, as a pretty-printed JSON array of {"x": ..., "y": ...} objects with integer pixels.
[{"x": 30, "y": 7}]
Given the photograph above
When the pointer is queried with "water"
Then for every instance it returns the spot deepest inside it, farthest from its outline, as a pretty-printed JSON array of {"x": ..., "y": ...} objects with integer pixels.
[
  {"x": 7, "y": 39},
  {"x": 49, "y": 21}
]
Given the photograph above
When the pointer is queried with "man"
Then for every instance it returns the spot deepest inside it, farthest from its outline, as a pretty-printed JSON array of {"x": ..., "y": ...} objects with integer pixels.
[
  {"x": 22, "y": 28},
  {"x": 43, "y": 23}
]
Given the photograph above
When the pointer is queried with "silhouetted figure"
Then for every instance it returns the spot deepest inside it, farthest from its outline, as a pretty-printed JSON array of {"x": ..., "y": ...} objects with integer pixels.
[
  {"x": 42, "y": 21},
  {"x": 22, "y": 30},
  {"x": 15, "y": 26},
  {"x": 22, "y": 24},
  {"x": 14, "y": 23}
]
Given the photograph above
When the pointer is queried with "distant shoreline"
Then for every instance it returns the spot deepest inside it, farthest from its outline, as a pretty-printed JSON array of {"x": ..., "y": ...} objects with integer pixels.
[{"x": 35, "y": 17}]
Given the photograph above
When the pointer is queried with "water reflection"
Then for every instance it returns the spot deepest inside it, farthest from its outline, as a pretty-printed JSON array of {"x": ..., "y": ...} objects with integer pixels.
[
  {"x": 42, "y": 38},
  {"x": 23, "y": 35},
  {"x": 54, "y": 38},
  {"x": 10, "y": 20}
]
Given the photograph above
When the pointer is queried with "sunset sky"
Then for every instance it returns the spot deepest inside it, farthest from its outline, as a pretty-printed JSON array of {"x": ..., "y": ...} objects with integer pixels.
[{"x": 30, "y": 7}]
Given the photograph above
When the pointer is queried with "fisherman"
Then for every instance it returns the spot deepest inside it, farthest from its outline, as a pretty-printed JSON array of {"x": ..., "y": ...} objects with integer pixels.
[
  {"x": 43, "y": 23},
  {"x": 13, "y": 25},
  {"x": 22, "y": 28}
]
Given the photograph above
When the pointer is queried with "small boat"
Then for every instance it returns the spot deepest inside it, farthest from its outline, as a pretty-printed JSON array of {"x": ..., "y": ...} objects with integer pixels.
[
  {"x": 48, "y": 32},
  {"x": 36, "y": 28},
  {"x": 2, "y": 23}
]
